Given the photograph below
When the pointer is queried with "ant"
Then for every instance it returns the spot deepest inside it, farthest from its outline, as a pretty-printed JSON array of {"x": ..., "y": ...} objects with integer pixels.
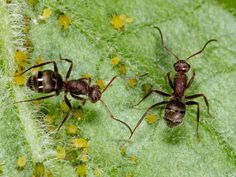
[
  {"x": 176, "y": 106},
  {"x": 48, "y": 81}
]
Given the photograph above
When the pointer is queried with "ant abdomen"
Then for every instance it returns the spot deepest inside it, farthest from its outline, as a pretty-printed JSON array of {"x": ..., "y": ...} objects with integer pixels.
[
  {"x": 174, "y": 112},
  {"x": 44, "y": 81}
]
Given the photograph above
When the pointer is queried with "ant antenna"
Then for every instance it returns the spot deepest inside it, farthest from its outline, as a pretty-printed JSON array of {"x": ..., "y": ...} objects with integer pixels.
[
  {"x": 200, "y": 51},
  {"x": 162, "y": 43},
  {"x": 113, "y": 117},
  {"x": 109, "y": 84}
]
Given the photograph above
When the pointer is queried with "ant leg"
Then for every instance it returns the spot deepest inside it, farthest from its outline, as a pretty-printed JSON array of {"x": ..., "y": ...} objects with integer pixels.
[
  {"x": 70, "y": 68},
  {"x": 113, "y": 117},
  {"x": 67, "y": 114},
  {"x": 110, "y": 82},
  {"x": 169, "y": 80},
  {"x": 200, "y": 51},
  {"x": 42, "y": 64},
  {"x": 79, "y": 98},
  {"x": 198, "y": 115},
  {"x": 191, "y": 80},
  {"x": 143, "y": 116},
  {"x": 40, "y": 98},
  {"x": 154, "y": 90},
  {"x": 205, "y": 99}
]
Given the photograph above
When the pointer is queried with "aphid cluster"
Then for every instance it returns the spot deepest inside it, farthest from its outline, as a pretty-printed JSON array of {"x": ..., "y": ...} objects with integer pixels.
[{"x": 50, "y": 81}]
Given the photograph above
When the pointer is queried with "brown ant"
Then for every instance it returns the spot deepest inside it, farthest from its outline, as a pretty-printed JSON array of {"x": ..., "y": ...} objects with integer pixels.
[
  {"x": 176, "y": 106},
  {"x": 48, "y": 81}
]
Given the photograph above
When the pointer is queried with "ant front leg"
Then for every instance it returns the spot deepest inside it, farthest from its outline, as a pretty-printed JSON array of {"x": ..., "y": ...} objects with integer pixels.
[
  {"x": 191, "y": 80},
  {"x": 153, "y": 90},
  {"x": 205, "y": 99},
  {"x": 143, "y": 116},
  {"x": 70, "y": 68},
  {"x": 67, "y": 114},
  {"x": 78, "y": 98},
  {"x": 198, "y": 112},
  {"x": 169, "y": 80},
  {"x": 42, "y": 64}
]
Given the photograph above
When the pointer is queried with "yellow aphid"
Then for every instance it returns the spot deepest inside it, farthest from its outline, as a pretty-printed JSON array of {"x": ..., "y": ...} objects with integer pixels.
[
  {"x": 151, "y": 118},
  {"x": 21, "y": 58},
  {"x": 39, "y": 60},
  {"x": 19, "y": 80},
  {"x": 146, "y": 87},
  {"x": 84, "y": 157},
  {"x": 101, "y": 83},
  {"x": 132, "y": 82},
  {"x": 123, "y": 149},
  {"x": 86, "y": 76},
  {"x": 48, "y": 119},
  {"x": 1, "y": 168},
  {"x": 85, "y": 150},
  {"x": 133, "y": 158},
  {"x": 78, "y": 114},
  {"x": 49, "y": 173},
  {"x": 64, "y": 106},
  {"x": 118, "y": 22},
  {"x": 64, "y": 21},
  {"x": 81, "y": 170},
  {"x": 80, "y": 143},
  {"x": 97, "y": 172},
  {"x": 21, "y": 162},
  {"x": 61, "y": 152},
  {"x": 115, "y": 60},
  {"x": 128, "y": 175},
  {"x": 129, "y": 20},
  {"x": 122, "y": 69},
  {"x": 33, "y": 2},
  {"x": 46, "y": 14},
  {"x": 71, "y": 129},
  {"x": 39, "y": 170}
]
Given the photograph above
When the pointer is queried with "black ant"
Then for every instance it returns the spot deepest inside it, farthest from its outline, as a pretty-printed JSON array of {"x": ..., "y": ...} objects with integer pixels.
[
  {"x": 176, "y": 106},
  {"x": 48, "y": 81}
]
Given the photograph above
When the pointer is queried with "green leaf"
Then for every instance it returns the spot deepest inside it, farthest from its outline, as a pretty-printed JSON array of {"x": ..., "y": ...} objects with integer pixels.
[{"x": 90, "y": 41}]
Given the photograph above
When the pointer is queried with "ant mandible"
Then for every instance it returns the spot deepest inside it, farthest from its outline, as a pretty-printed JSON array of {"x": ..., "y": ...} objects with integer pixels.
[
  {"x": 48, "y": 81},
  {"x": 176, "y": 106}
]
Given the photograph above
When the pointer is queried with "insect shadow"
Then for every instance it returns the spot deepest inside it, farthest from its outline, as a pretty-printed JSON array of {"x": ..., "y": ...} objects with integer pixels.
[
  {"x": 176, "y": 106},
  {"x": 50, "y": 81}
]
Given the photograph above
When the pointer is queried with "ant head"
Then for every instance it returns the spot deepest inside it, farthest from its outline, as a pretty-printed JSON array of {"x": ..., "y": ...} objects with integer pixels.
[
  {"x": 181, "y": 66},
  {"x": 95, "y": 94}
]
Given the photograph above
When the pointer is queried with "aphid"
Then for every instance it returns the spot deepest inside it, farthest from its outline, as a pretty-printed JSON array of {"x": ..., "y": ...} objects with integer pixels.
[
  {"x": 49, "y": 81},
  {"x": 176, "y": 105}
]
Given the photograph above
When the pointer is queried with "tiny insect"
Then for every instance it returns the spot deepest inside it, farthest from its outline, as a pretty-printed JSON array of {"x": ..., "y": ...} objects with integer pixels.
[
  {"x": 176, "y": 106},
  {"x": 49, "y": 81}
]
